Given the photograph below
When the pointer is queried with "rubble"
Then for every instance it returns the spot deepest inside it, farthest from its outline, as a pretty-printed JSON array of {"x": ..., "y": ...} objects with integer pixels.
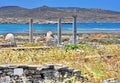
[
  {"x": 80, "y": 51},
  {"x": 110, "y": 80},
  {"x": 10, "y": 38},
  {"x": 50, "y": 39},
  {"x": 36, "y": 74}
]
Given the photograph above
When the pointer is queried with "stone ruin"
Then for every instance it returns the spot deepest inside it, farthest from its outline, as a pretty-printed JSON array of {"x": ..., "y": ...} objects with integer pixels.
[
  {"x": 10, "y": 38},
  {"x": 1, "y": 36},
  {"x": 50, "y": 39},
  {"x": 9, "y": 41},
  {"x": 37, "y": 74},
  {"x": 40, "y": 39}
]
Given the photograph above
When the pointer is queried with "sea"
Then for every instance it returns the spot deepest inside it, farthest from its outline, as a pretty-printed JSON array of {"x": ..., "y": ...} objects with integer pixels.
[{"x": 90, "y": 27}]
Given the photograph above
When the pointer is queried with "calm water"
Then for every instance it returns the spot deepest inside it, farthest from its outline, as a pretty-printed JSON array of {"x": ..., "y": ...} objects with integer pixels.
[{"x": 66, "y": 28}]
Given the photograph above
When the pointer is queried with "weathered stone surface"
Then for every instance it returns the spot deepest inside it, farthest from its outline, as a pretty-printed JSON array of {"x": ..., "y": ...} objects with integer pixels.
[
  {"x": 39, "y": 39},
  {"x": 36, "y": 74},
  {"x": 50, "y": 39},
  {"x": 79, "y": 51},
  {"x": 10, "y": 38},
  {"x": 1, "y": 36},
  {"x": 111, "y": 80}
]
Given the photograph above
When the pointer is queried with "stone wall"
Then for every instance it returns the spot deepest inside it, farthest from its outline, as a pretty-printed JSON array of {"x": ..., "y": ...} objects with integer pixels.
[{"x": 37, "y": 74}]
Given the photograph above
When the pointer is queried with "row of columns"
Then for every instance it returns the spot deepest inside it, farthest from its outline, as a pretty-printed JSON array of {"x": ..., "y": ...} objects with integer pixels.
[
  {"x": 74, "y": 31},
  {"x": 59, "y": 31}
]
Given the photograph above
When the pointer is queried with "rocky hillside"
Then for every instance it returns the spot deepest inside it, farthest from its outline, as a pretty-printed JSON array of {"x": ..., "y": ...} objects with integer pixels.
[{"x": 45, "y": 14}]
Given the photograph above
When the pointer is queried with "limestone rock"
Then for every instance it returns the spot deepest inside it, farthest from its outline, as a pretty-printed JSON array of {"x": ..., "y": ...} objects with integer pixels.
[
  {"x": 1, "y": 36},
  {"x": 10, "y": 38},
  {"x": 80, "y": 51},
  {"x": 111, "y": 80},
  {"x": 39, "y": 39},
  {"x": 37, "y": 73},
  {"x": 50, "y": 39}
]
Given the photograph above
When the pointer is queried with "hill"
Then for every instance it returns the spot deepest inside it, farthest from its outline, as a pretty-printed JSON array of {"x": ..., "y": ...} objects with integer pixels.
[{"x": 44, "y": 14}]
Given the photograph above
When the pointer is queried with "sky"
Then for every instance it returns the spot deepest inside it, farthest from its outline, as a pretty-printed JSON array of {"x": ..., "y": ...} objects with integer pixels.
[{"x": 101, "y": 4}]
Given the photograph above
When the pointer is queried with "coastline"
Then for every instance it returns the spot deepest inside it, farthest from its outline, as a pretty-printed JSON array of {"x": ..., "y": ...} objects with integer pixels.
[{"x": 82, "y": 27}]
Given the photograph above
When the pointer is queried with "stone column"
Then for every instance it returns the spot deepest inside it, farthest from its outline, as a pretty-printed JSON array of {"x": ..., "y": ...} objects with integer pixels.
[
  {"x": 74, "y": 30},
  {"x": 59, "y": 31},
  {"x": 31, "y": 30}
]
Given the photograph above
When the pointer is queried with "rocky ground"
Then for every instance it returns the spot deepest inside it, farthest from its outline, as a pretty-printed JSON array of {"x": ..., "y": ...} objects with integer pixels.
[
  {"x": 89, "y": 38},
  {"x": 38, "y": 74},
  {"x": 96, "y": 55}
]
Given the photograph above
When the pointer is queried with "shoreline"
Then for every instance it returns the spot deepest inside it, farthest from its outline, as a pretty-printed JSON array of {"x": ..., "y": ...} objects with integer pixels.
[
  {"x": 55, "y": 22},
  {"x": 27, "y": 33},
  {"x": 66, "y": 28},
  {"x": 55, "y": 33}
]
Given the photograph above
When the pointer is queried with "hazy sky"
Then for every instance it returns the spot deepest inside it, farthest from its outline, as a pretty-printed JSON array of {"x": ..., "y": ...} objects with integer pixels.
[{"x": 102, "y": 4}]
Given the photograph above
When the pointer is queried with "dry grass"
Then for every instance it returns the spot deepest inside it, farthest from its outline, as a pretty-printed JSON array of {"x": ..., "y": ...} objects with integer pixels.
[{"x": 100, "y": 64}]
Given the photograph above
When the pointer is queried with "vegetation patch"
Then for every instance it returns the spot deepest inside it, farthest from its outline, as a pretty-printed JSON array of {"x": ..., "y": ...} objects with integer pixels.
[{"x": 101, "y": 63}]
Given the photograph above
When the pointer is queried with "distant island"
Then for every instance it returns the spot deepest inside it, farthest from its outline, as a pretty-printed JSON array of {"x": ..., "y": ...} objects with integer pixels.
[{"x": 45, "y": 14}]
